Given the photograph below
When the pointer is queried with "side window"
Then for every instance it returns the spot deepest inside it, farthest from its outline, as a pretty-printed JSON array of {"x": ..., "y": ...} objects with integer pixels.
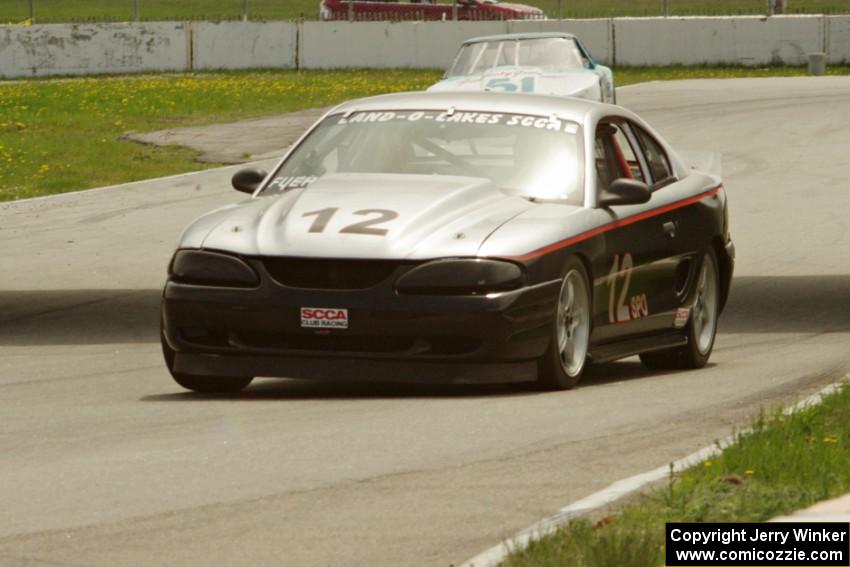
[
  {"x": 605, "y": 172},
  {"x": 659, "y": 165},
  {"x": 625, "y": 146},
  {"x": 615, "y": 156}
]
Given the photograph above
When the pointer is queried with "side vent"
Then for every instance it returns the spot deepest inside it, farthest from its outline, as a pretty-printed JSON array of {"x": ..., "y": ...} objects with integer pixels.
[{"x": 683, "y": 277}]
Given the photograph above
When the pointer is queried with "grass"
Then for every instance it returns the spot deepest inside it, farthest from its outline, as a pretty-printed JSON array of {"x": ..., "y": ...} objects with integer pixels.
[
  {"x": 120, "y": 10},
  {"x": 784, "y": 463},
  {"x": 66, "y": 134}
]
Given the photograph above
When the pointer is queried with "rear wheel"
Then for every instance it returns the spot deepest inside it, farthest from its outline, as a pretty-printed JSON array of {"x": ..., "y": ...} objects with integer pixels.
[
  {"x": 702, "y": 324},
  {"x": 203, "y": 384},
  {"x": 562, "y": 365}
]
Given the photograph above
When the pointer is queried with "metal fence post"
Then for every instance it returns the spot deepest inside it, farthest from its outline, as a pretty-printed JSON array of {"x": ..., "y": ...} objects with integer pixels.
[
  {"x": 454, "y": 10},
  {"x": 666, "y": 8},
  {"x": 244, "y": 10},
  {"x": 350, "y": 10},
  {"x": 136, "y": 15},
  {"x": 32, "y": 11}
]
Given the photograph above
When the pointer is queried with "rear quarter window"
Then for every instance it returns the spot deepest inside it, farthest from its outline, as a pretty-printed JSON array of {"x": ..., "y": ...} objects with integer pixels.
[{"x": 656, "y": 157}]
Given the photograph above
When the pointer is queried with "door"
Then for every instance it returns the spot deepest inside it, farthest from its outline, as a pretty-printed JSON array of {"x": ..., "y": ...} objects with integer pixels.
[{"x": 634, "y": 286}]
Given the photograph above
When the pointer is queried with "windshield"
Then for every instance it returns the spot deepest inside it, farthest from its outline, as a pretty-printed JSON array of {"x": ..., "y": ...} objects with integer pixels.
[
  {"x": 549, "y": 54},
  {"x": 532, "y": 156}
]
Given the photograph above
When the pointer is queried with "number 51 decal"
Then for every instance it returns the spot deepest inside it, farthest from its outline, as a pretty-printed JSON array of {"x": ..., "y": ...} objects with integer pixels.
[
  {"x": 526, "y": 84},
  {"x": 637, "y": 306}
]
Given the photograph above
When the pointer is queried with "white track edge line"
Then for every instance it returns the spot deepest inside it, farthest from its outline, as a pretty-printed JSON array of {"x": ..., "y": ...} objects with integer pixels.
[
  {"x": 622, "y": 488},
  {"x": 69, "y": 194},
  {"x": 631, "y": 85}
]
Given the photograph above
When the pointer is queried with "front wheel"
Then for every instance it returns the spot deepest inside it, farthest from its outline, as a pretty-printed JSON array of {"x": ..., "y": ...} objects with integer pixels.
[
  {"x": 203, "y": 384},
  {"x": 562, "y": 365},
  {"x": 702, "y": 324}
]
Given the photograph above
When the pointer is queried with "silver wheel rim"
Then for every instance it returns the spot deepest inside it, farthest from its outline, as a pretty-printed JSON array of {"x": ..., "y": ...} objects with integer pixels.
[
  {"x": 573, "y": 323},
  {"x": 705, "y": 307}
]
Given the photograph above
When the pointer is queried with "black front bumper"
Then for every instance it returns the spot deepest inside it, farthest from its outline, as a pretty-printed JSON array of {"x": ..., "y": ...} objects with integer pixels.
[{"x": 220, "y": 331}]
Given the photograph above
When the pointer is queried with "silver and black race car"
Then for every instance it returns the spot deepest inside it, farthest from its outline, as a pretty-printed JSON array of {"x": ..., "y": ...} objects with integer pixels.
[{"x": 463, "y": 237}]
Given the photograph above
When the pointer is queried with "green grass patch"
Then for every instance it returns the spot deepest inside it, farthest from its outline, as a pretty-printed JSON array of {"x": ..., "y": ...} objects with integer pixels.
[
  {"x": 63, "y": 135},
  {"x": 784, "y": 463},
  {"x": 631, "y": 75},
  {"x": 122, "y": 10}
]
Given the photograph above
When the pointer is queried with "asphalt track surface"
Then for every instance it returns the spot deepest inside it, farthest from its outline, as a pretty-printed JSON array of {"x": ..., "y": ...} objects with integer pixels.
[{"x": 105, "y": 461}]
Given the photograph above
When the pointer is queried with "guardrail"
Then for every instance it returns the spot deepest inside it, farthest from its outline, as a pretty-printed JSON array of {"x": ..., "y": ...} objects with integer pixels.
[{"x": 83, "y": 49}]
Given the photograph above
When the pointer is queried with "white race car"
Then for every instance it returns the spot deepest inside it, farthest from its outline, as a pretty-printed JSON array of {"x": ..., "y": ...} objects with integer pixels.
[{"x": 538, "y": 63}]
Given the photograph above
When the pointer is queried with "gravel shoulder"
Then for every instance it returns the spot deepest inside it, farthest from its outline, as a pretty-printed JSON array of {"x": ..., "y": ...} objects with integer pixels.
[{"x": 236, "y": 142}]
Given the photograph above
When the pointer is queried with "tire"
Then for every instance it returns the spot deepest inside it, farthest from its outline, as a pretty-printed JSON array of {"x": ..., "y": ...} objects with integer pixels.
[
  {"x": 561, "y": 367},
  {"x": 701, "y": 329},
  {"x": 202, "y": 384}
]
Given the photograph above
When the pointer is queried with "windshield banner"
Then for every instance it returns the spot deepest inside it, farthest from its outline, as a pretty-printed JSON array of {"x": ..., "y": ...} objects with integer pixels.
[{"x": 552, "y": 123}]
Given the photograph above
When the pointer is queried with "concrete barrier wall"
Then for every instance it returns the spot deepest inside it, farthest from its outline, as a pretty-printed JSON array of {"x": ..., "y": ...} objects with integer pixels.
[
  {"x": 69, "y": 49},
  {"x": 838, "y": 39},
  {"x": 73, "y": 49},
  {"x": 241, "y": 45},
  {"x": 736, "y": 41},
  {"x": 387, "y": 44}
]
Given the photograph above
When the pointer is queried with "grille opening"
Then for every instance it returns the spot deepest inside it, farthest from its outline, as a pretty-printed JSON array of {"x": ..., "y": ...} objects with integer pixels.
[
  {"x": 204, "y": 337},
  {"x": 359, "y": 343},
  {"x": 343, "y": 343},
  {"x": 329, "y": 274},
  {"x": 452, "y": 345}
]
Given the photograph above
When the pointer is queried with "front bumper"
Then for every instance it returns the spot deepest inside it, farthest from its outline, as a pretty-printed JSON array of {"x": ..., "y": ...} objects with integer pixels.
[{"x": 391, "y": 337}]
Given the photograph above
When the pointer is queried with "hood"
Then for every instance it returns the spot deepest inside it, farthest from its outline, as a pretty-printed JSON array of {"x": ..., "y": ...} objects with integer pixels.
[
  {"x": 581, "y": 83},
  {"x": 363, "y": 216}
]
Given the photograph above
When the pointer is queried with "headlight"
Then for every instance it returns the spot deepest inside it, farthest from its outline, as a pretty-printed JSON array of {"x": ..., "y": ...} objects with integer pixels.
[
  {"x": 211, "y": 268},
  {"x": 461, "y": 277}
]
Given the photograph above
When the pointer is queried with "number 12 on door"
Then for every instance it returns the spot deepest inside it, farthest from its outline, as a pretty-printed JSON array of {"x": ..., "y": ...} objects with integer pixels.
[{"x": 637, "y": 306}]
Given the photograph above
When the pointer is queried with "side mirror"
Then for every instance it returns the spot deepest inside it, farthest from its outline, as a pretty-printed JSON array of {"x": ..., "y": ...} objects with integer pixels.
[
  {"x": 625, "y": 191},
  {"x": 247, "y": 180}
]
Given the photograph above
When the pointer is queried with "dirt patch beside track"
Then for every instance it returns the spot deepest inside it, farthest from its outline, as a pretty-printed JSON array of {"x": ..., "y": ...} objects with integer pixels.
[{"x": 236, "y": 142}]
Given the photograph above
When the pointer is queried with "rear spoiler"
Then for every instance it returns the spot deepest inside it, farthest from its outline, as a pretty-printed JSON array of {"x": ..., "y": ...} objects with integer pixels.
[{"x": 706, "y": 162}]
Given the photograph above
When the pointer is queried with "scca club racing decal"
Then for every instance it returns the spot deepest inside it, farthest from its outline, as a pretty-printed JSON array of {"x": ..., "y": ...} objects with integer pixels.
[
  {"x": 324, "y": 318},
  {"x": 682, "y": 315}
]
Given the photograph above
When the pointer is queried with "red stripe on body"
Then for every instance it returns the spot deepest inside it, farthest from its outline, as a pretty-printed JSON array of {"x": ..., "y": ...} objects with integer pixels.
[{"x": 616, "y": 224}]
